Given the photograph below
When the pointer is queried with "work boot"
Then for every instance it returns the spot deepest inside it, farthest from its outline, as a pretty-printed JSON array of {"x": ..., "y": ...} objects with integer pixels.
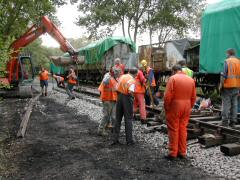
[
  {"x": 169, "y": 157},
  {"x": 131, "y": 143},
  {"x": 232, "y": 124},
  {"x": 180, "y": 156},
  {"x": 45, "y": 93},
  {"x": 143, "y": 121},
  {"x": 102, "y": 132},
  {"x": 109, "y": 126},
  {"x": 114, "y": 143}
]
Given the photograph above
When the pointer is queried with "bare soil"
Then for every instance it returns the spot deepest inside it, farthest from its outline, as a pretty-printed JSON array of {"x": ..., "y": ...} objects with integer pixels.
[{"x": 62, "y": 145}]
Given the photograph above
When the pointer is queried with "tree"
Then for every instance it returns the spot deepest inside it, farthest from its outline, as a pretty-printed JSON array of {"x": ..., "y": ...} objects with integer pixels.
[
  {"x": 163, "y": 17},
  {"x": 16, "y": 17}
]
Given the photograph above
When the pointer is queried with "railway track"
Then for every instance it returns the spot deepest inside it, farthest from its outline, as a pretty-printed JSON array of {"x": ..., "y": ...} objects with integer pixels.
[{"x": 203, "y": 125}]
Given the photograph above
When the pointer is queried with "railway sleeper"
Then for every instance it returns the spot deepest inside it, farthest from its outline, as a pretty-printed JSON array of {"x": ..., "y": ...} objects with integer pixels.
[
  {"x": 231, "y": 149},
  {"x": 210, "y": 140}
]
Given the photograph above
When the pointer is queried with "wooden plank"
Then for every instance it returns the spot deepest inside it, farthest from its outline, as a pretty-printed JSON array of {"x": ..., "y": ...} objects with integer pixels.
[
  {"x": 153, "y": 123},
  {"x": 207, "y": 118},
  {"x": 230, "y": 149},
  {"x": 26, "y": 116},
  {"x": 210, "y": 140}
]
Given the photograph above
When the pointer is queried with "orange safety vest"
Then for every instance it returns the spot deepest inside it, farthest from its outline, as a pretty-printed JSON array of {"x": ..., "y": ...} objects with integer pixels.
[
  {"x": 153, "y": 84},
  {"x": 43, "y": 75},
  {"x": 72, "y": 80},
  {"x": 125, "y": 81},
  {"x": 108, "y": 92},
  {"x": 139, "y": 86},
  {"x": 233, "y": 75}
]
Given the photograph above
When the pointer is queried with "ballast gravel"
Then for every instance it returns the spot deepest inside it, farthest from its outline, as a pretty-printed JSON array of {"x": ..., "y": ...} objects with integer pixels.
[{"x": 211, "y": 160}]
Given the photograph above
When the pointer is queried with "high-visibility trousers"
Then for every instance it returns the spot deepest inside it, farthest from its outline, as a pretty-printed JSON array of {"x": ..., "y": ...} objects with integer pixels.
[
  {"x": 177, "y": 133},
  {"x": 139, "y": 100}
]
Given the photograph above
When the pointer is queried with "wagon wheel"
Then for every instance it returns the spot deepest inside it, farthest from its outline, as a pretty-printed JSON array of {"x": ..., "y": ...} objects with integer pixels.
[{"x": 208, "y": 86}]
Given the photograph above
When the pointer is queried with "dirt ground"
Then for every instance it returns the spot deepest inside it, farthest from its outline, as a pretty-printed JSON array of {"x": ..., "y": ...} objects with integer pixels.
[{"x": 61, "y": 145}]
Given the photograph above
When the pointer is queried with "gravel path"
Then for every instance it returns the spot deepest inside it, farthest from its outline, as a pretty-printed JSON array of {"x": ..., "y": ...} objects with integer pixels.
[{"x": 210, "y": 160}]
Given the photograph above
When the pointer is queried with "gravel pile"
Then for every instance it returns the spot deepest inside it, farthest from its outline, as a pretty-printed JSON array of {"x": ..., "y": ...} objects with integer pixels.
[{"x": 211, "y": 160}]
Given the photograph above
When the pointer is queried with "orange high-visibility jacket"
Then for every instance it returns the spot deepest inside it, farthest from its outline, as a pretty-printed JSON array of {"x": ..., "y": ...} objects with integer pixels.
[
  {"x": 233, "y": 75},
  {"x": 151, "y": 77},
  {"x": 125, "y": 81},
  {"x": 108, "y": 92},
  {"x": 43, "y": 75},
  {"x": 140, "y": 82},
  {"x": 180, "y": 93},
  {"x": 71, "y": 80}
]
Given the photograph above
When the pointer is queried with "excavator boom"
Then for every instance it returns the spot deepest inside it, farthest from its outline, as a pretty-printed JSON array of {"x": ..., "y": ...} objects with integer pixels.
[{"x": 45, "y": 26}]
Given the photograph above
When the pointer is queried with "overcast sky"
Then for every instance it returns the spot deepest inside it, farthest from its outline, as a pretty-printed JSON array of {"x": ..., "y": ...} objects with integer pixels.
[{"x": 67, "y": 15}]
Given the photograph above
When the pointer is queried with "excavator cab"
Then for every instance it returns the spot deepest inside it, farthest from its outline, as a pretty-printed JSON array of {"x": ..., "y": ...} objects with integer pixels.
[{"x": 26, "y": 73}]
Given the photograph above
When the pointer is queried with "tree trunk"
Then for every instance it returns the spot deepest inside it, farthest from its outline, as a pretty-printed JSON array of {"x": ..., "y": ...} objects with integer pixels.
[{"x": 123, "y": 28}]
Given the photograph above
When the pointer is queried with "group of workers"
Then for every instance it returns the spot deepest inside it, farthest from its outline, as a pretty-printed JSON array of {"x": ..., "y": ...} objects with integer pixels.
[
  {"x": 122, "y": 94},
  {"x": 72, "y": 81}
]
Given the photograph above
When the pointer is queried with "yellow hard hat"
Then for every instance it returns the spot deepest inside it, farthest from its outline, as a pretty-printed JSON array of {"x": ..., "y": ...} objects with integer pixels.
[{"x": 144, "y": 63}]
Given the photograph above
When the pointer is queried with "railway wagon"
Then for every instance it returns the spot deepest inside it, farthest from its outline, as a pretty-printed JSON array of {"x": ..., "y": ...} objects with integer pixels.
[
  {"x": 161, "y": 57},
  {"x": 99, "y": 57},
  {"x": 219, "y": 32}
]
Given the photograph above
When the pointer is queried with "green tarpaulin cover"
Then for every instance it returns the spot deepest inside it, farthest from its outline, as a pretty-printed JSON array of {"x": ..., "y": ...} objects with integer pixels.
[
  {"x": 56, "y": 69},
  {"x": 220, "y": 31},
  {"x": 95, "y": 51}
]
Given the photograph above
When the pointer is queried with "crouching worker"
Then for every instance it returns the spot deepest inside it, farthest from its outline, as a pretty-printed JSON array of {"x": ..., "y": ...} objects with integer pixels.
[
  {"x": 60, "y": 80},
  {"x": 109, "y": 98},
  {"x": 72, "y": 81}
]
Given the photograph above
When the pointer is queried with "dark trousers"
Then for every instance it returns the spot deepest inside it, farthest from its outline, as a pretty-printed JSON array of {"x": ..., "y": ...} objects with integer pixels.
[
  {"x": 148, "y": 98},
  {"x": 124, "y": 108}
]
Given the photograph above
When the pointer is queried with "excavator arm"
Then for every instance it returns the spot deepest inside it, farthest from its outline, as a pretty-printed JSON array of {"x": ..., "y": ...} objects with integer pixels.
[{"x": 45, "y": 26}]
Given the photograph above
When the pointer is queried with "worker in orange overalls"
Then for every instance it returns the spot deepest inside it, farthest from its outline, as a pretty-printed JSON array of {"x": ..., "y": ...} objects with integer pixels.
[
  {"x": 139, "y": 93},
  {"x": 150, "y": 84},
  {"x": 72, "y": 81},
  {"x": 108, "y": 95},
  {"x": 60, "y": 80},
  {"x": 179, "y": 98},
  {"x": 43, "y": 76},
  {"x": 125, "y": 88},
  {"x": 118, "y": 64}
]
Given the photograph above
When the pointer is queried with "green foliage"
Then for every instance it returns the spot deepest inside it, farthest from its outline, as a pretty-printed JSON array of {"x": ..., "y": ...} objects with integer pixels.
[
  {"x": 16, "y": 17},
  {"x": 80, "y": 42},
  {"x": 162, "y": 17}
]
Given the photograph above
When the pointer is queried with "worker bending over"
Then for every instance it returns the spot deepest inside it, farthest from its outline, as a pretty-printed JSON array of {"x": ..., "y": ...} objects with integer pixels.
[
  {"x": 139, "y": 94},
  {"x": 72, "y": 81},
  {"x": 108, "y": 95},
  {"x": 179, "y": 98},
  {"x": 60, "y": 80},
  {"x": 185, "y": 69},
  {"x": 125, "y": 88},
  {"x": 43, "y": 76},
  {"x": 150, "y": 84}
]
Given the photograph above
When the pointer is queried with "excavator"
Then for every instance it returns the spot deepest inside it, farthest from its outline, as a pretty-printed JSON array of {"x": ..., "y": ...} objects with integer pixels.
[{"x": 19, "y": 71}]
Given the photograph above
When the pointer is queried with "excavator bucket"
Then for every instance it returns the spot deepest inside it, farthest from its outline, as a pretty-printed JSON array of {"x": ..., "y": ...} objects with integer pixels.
[{"x": 66, "y": 61}]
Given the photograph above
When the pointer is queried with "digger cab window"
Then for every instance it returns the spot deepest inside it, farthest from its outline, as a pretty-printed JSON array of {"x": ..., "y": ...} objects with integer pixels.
[{"x": 26, "y": 72}]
